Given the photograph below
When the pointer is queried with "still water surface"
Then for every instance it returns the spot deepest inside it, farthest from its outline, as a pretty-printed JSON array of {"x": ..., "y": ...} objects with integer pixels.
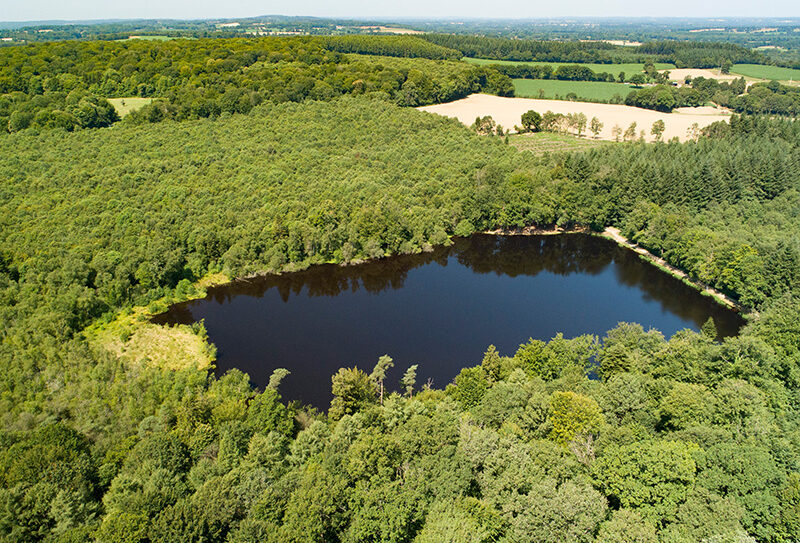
[{"x": 439, "y": 310}]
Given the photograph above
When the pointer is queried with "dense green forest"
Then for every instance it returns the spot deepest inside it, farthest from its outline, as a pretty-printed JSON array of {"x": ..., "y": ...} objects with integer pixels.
[
  {"x": 678, "y": 440},
  {"x": 683, "y": 54},
  {"x": 393, "y": 46},
  {"x": 290, "y": 154},
  {"x": 65, "y": 84}
]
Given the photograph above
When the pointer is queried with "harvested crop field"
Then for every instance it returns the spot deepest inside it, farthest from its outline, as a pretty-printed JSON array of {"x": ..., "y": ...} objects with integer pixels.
[
  {"x": 682, "y": 73},
  {"x": 508, "y": 112}
]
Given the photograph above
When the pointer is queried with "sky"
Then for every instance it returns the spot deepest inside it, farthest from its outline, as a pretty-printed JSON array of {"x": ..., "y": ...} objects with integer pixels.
[{"x": 28, "y": 10}]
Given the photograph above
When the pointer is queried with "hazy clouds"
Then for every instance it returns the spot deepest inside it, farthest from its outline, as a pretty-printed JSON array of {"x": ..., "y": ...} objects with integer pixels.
[{"x": 17, "y": 10}]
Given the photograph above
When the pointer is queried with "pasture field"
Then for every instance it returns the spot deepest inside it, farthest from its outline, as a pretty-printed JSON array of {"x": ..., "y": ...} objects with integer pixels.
[
  {"x": 540, "y": 143},
  {"x": 128, "y": 104},
  {"x": 615, "y": 69},
  {"x": 585, "y": 90},
  {"x": 760, "y": 71}
]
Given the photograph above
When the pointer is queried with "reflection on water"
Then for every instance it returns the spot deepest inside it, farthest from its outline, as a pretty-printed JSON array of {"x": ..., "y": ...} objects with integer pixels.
[{"x": 439, "y": 309}]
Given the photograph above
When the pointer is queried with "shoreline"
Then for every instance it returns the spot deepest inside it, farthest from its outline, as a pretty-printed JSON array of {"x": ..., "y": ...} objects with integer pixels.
[
  {"x": 613, "y": 234},
  {"x": 537, "y": 231}
]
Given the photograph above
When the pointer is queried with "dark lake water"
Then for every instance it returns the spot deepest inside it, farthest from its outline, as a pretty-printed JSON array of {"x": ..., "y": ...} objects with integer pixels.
[{"x": 440, "y": 310}]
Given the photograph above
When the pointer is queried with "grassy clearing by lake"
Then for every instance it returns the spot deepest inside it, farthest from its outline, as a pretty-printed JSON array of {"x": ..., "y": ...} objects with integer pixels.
[
  {"x": 759, "y": 71},
  {"x": 585, "y": 90},
  {"x": 539, "y": 143},
  {"x": 135, "y": 340},
  {"x": 614, "y": 69},
  {"x": 128, "y": 104}
]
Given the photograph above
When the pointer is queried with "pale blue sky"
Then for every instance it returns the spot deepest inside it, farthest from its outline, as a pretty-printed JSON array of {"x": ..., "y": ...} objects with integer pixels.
[{"x": 25, "y": 10}]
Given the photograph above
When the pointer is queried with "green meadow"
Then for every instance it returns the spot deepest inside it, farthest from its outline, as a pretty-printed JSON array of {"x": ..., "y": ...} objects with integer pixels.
[
  {"x": 760, "y": 71},
  {"x": 615, "y": 69},
  {"x": 584, "y": 90}
]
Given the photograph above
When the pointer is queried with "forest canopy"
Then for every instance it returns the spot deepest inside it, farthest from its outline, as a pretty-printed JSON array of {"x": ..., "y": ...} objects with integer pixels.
[
  {"x": 66, "y": 84},
  {"x": 588, "y": 439}
]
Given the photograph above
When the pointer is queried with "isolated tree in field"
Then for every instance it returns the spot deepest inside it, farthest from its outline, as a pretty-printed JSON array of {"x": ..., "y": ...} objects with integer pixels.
[
  {"x": 595, "y": 126},
  {"x": 621, "y": 77},
  {"x": 630, "y": 132},
  {"x": 571, "y": 121},
  {"x": 551, "y": 121},
  {"x": 532, "y": 121},
  {"x": 580, "y": 123},
  {"x": 410, "y": 379},
  {"x": 693, "y": 132},
  {"x": 638, "y": 80},
  {"x": 726, "y": 67},
  {"x": 658, "y": 129},
  {"x": 484, "y": 125},
  {"x": 616, "y": 132},
  {"x": 378, "y": 374}
]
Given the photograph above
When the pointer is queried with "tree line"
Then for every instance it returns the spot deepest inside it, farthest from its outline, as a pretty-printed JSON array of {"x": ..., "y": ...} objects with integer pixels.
[
  {"x": 684, "y": 54},
  {"x": 770, "y": 98}
]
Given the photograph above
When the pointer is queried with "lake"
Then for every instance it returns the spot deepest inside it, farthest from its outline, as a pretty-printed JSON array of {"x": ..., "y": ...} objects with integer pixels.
[{"x": 440, "y": 310}]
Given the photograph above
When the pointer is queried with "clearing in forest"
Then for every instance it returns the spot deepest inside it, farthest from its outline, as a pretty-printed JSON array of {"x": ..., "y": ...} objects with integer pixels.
[
  {"x": 540, "y": 143},
  {"x": 508, "y": 113},
  {"x": 128, "y": 104}
]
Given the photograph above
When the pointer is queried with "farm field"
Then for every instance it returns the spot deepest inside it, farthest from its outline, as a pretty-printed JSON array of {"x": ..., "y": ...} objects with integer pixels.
[
  {"x": 680, "y": 74},
  {"x": 584, "y": 90},
  {"x": 128, "y": 104},
  {"x": 157, "y": 38},
  {"x": 508, "y": 111},
  {"x": 759, "y": 71},
  {"x": 540, "y": 143},
  {"x": 629, "y": 68}
]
